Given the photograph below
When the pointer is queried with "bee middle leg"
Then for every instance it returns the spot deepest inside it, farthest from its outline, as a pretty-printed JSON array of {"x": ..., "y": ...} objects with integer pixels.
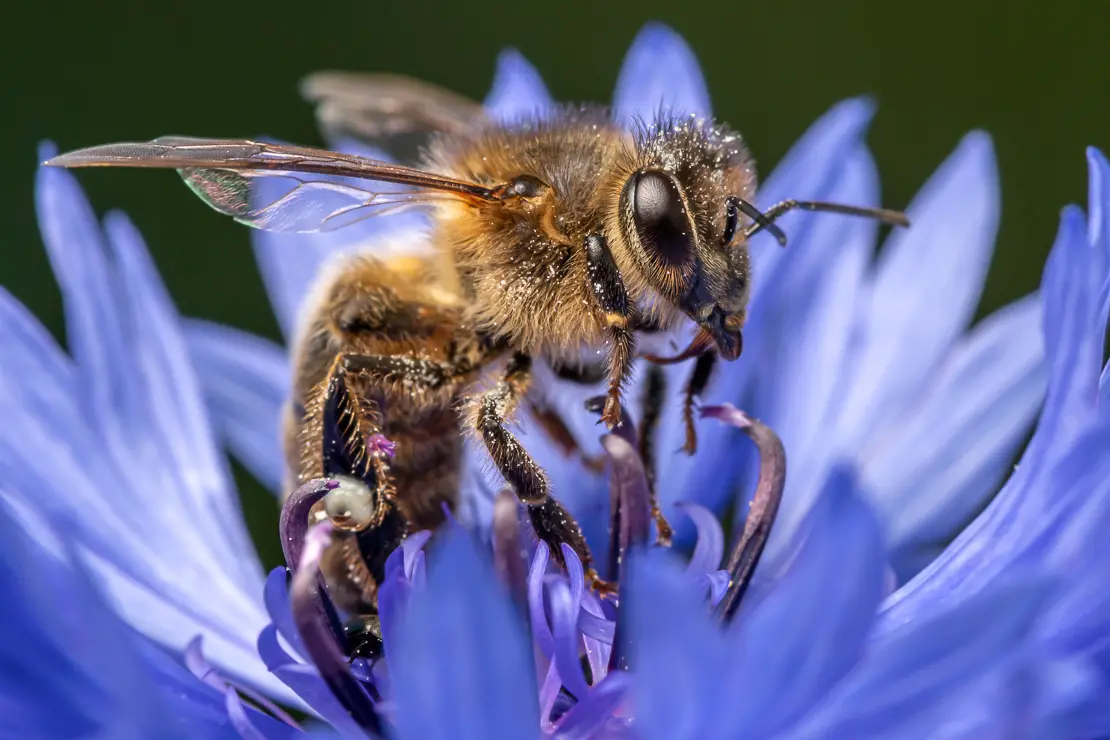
[
  {"x": 655, "y": 389},
  {"x": 553, "y": 524}
]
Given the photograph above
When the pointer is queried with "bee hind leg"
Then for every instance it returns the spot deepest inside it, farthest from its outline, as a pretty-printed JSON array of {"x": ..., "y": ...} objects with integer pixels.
[{"x": 553, "y": 524}]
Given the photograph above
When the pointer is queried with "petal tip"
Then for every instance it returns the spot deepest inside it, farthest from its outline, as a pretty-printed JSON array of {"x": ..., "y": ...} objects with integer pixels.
[
  {"x": 979, "y": 146},
  {"x": 1095, "y": 158},
  {"x": 47, "y": 150}
]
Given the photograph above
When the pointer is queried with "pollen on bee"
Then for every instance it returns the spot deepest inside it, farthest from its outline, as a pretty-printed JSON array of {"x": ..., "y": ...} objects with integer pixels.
[{"x": 616, "y": 319}]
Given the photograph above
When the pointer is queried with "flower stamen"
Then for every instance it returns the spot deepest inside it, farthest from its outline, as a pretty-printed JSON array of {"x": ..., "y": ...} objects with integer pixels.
[
  {"x": 316, "y": 632},
  {"x": 199, "y": 666},
  {"x": 294, "y": 517},
  {"x": 764, "y": 505}
]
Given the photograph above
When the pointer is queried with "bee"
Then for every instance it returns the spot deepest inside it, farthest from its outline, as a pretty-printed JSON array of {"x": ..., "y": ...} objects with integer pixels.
[{"x": 551, "y": 236}]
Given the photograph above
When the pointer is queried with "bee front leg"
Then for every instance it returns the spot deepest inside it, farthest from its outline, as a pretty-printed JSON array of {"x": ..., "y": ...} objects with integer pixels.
[
  {"x": 553, "y": 524},
  {"x": 608, "y": 289},
  {"x": 695, "y": 386}
]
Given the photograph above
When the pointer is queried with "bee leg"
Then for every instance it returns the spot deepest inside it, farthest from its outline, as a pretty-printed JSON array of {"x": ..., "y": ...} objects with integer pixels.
[
  {"x": 699, "y": 378},
  {"x": 608, "y": 289},
  {"x": 343, "y": 436},
  {"x": 553, "y": 524},
  {"x": 351, "y": 429},
  {"x": 655, "y": 390}
]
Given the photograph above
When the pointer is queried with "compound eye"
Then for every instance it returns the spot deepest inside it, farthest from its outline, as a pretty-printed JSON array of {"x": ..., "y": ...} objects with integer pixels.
[
  {"x": 659, "y": 214},
  {"x": 351, "y": 506}
]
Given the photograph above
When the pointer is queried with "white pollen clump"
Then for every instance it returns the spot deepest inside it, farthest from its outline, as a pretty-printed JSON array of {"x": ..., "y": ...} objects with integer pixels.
[{"x": 351, "y": 506}]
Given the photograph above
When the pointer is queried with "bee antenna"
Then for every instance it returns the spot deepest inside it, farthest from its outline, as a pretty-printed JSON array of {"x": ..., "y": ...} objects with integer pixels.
[
  {"x": 765, "y": 220},
  {"x": 762, "y": 221}
]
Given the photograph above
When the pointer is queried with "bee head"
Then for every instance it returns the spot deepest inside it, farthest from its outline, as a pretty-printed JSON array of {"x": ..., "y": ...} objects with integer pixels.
[{"x": 679, "y": 214}]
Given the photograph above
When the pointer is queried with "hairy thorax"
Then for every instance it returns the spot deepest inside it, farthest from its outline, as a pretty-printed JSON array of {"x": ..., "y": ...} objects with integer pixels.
[{"x": 521, "y": 263}]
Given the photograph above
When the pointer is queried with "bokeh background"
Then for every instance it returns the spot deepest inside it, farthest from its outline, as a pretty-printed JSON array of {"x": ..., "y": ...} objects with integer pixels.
[{"x": 1035, "y": 75}]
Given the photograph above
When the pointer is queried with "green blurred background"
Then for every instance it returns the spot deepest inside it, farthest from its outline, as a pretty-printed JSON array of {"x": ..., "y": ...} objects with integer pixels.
[{"x": 1035, "y": 75}]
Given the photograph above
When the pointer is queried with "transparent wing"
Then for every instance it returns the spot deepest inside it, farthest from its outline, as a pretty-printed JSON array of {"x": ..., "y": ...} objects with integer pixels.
[
  {"x": 280, "y": 187},
  {"x": 391, "y": 112},
  {"x": 284, "y": 201}
]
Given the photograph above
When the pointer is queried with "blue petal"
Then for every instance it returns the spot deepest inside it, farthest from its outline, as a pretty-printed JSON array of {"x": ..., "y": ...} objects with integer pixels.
[
  {"x": 246, "y": 382},
  {"x": 1074, "y": 327},
  {"x": 178, "y": 421},
  {"x": 462, "y": 666},
  {"x": 1074, "y": 276},
  {"x": 945, "y": 459},
  {"x": 76, "y": 250},
  {"x": 912, "y": 673},
  {"x": 809, "y": 631},
  {"x": 30, "y": 352},
  {"x": 925, "y": 289},
  {"x": 808, "y": 171},
  {"x": 681, "y": 656},
  {"x": 78, "y": 671},
  {"x": 518, "y": 91},
  {"x": 127, "y": 444},
  {"x": 660, "y": 72},
  {"x": 1073, "y": 540}
]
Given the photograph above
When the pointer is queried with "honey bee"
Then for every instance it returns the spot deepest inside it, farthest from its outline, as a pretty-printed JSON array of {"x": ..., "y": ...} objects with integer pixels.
[{"x": 552, "y": 235}]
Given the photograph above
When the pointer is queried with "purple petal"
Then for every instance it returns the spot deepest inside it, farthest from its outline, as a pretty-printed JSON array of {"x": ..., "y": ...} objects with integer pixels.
[
  {"x": 180, "y": 426},
  {"x": 564, "y": 622},
  {"x": 630, "y": 497},
  {"x": 597, "y": 635},
  {"x": 412, "y": 548},
  {"x": 306, "y": 682},
  {"x": 276, "y": 597},
  {"x": 271, "y": 651},
  {"x": 711, "y": 539},
  {"x": 293, "y": 523},
  {"x": 660, "y": 72},
  {"x": 238, "y": 715},
  {"x": 518, "y": 91},
  {"x": 1073, "y": 348},
  {"x": 717, "y": 583},
  {"x": 541, "y": 633},
  {"x": 585, "y": 719},
  {"x": 762, "y": 511},
  {"x": 77, "y": 249}
]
